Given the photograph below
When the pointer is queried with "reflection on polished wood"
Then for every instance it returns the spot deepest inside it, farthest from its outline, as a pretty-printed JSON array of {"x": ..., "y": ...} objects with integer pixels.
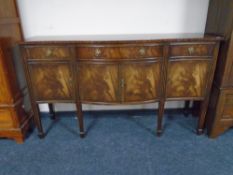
[
  {"x": 51, "y": 81},
  {"x": 187, "y": 78}
]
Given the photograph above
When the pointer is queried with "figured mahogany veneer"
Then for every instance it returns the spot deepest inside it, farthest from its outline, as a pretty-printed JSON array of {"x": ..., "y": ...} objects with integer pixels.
[
  {"x": 120, "y": 72},
  {"x": 52, "y": 81}
]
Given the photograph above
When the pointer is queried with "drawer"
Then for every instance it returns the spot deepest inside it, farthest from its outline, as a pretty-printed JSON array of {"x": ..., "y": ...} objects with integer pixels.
[
  {"x": 5, "y": 119},
  {"x": 48, "y": 52},
  {"x": 192, "y": 50},
  {"x": 127, "y": 52}
]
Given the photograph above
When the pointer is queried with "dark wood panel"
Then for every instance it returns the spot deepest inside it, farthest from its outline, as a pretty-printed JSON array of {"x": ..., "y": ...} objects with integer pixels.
[
  {"x": 192, "y": 50},
  {"x": 228, "y": 80},
  {"x": 98, "y": 82},
  {"x": 51, "y": 81},
  {"x": 119, "y": 52},
  {"x": 220, "y": 112},
  {"x": 187, "y": 78},
  {"x": 140, "y": 81},
  {"x": 220, "y": 22}
]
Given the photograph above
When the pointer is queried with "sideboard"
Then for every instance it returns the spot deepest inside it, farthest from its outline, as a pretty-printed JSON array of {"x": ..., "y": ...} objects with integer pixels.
[{"x": 117, "y": 70}]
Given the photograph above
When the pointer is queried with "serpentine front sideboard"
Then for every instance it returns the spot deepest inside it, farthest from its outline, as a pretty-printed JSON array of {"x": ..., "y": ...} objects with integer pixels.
[{"x": 120, "y": 70}]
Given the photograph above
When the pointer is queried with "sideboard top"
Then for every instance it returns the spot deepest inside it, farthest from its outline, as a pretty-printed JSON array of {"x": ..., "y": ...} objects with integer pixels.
[{"x": 122, "y": 38}]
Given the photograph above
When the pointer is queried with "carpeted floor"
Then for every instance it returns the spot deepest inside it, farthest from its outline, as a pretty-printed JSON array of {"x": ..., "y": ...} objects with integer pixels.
[{"x": 121, "y": 143}]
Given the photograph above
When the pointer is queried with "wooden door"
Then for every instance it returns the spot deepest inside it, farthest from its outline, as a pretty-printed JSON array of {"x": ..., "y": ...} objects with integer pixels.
[
  {"x": 98, "y": 82},
  {"x": 140, "y": 81},
  {"x": 187, "y": 78},
  {"x": 51, "y": 81}
]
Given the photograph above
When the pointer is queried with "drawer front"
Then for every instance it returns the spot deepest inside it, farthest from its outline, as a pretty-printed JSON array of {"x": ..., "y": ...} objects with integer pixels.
[
  {"x": 51, "y": 81},
  {"x": 127, "y": 52},
  {"x": 192, "y": 50},
  {"x": 48, "y": 52},
  {"x": 5, "y": 119}
]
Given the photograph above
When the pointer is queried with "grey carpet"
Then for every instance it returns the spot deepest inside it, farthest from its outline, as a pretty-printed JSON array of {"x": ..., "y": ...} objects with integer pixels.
[{"x": 120, "y": 143}]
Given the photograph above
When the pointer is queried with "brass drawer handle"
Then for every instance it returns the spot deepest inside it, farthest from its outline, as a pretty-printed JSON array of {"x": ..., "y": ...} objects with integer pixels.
[
  {"x": 48, "y": 52},
  {"x": 97, "y": 52},
  {"x": 191, "y": 50},
  {"x": 142, "y": 51}
]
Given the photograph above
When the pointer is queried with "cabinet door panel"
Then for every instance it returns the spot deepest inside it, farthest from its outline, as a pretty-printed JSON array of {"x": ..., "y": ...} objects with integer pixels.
[
  {"x": 187, "y": 78},
  {"x": 141, "y": 81},
  {"x": 98, "y": 82},
  {"x": 51, "y": 81}
]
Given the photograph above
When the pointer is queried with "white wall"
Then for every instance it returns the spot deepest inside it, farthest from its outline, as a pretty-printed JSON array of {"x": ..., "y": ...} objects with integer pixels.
[
  {"x": 72, "y": 17},
  {"x": 91, "y": 17}
]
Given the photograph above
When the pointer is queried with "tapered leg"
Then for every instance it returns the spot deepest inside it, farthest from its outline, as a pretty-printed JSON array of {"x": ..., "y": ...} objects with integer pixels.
[
  {"x": 37, "y": 120},
  {"x": 80, "y": 119},
  {"x": 201, "y": 122},
  {"x": 186, "y": 108},
  {"x": 160, "y": 118},
  {"x": 51, "y": 111}
]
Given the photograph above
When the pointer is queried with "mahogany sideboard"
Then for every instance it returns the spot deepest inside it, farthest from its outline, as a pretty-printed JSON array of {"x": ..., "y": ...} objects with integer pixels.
[{"x": 141, "y": 69}]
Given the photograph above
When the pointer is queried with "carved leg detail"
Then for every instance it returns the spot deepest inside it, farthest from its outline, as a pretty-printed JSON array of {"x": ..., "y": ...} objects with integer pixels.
[{"x": 160, "y": 118}]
